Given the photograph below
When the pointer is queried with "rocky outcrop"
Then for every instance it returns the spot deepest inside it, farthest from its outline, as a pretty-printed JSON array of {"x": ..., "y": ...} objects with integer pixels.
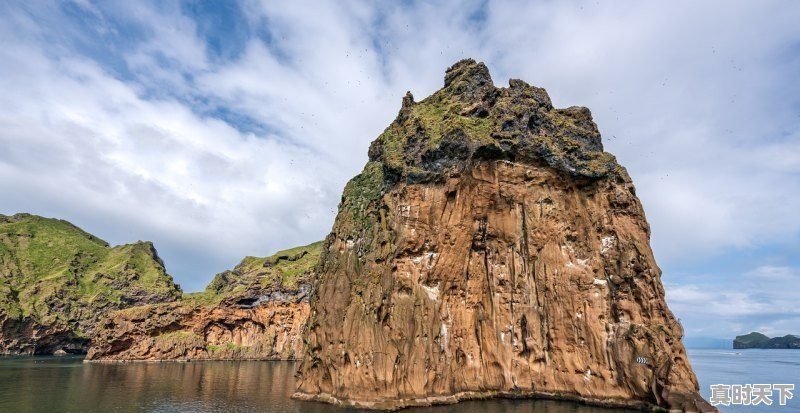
[
  {"x": 57, "y": 282},
  {"x": 254, "y": 312},
  {"x": 491, "y": 248},
  {"x": 192, "y": 331}
]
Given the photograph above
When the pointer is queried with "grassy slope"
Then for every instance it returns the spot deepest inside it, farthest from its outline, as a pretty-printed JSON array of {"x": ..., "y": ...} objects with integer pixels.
[
  {"x": 758, "y": 340},
  {"x": 284, "y": 269},
  {"x": 52, "y": 271},
  {"x": 753, "y": 339}
]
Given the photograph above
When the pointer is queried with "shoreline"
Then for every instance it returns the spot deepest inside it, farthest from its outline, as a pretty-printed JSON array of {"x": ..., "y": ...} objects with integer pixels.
[
  {"x": 399, "y": 404},
  {"x": 113, "y": 361}
]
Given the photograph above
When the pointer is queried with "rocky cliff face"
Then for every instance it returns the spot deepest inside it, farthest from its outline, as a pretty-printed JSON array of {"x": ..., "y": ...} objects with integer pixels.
[
  {"x": 255, "y": 311},
  {"x": 57, "y": 281},
  {"x": 490, "y": 247},
  {"x": 190, "y": 330}
]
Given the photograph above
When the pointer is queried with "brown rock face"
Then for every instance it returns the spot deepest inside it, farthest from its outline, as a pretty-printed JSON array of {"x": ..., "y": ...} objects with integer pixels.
[
  {"x": 27, "y": 337},
  {"x": 181, "y": 331},
  {"x": 491, "y": 248},
  {"x": 254, "y": 312}
]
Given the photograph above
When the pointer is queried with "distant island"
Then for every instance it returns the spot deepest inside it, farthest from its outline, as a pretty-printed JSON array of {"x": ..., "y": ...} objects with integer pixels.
[{"x": 758, "y": 340}]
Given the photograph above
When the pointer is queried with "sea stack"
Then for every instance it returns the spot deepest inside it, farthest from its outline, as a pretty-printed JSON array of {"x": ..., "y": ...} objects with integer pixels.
[{"x": 490, "y": 247}]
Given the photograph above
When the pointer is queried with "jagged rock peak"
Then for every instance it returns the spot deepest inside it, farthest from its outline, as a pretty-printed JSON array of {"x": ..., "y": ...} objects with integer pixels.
[
  {"x": 468, "y": 77},
  {"x": 408, "y": 100},
  {"x": 471, "y": 119}
]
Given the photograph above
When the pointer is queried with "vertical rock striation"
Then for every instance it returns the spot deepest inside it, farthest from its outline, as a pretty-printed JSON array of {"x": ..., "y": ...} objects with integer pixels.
[{"x": 491, "y": 248}]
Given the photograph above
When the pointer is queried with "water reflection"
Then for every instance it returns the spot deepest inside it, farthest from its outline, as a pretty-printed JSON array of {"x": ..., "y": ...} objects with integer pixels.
[{"x": 49, "y": 384}]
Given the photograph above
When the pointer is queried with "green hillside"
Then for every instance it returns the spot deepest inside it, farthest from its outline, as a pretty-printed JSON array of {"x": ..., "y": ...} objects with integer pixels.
[
  {"x": 284, "y": 270},
  {"x": 758, "y": 340},
  {"x": 54, "y": 275}
]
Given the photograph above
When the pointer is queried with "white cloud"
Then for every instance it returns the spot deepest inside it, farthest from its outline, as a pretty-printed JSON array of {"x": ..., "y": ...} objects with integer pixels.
[
  {"x": 761, "y": 299},
  {"x": 772, "y": 272},
  {"x": 115, "y": 128},
  {"x": 83, "y": 145}
]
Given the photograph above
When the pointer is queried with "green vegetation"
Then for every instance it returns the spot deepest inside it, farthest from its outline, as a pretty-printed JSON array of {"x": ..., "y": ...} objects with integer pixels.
[
  {"x": 228, "y": 350},
  {"x": 758, "y": 340},
  {"x": 55, "y": 273},
  {"x": 291, "y": 266},
  {"x": 470, "y": 114},
  {"x": 441, "y": 113},
  {"x": 207, "y": 297},
  {"x": 284, "y": 269},
  {"x": 364, "y": 189},
  {"x": 751, "y": 340},
  {"x": 179, "y": 335},
  {"x": 430, "y": 120},
  {"x": 361, "y": 213}
]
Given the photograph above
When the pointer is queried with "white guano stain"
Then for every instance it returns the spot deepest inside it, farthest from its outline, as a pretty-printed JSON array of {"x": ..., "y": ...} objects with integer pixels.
[
  {"x": 432, "y": 291},
  {"x": 606, "y": 243},
  {"x": 428, "y": 258},
  {"x": 443, "y": 332}
]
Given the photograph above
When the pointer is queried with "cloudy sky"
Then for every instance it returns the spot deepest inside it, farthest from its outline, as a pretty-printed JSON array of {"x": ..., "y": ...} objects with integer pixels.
[{"x": 222, "y": 129}]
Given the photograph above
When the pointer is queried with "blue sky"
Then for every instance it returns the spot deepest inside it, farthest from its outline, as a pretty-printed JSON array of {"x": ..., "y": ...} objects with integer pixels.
[{"x": 224, "y": 129}]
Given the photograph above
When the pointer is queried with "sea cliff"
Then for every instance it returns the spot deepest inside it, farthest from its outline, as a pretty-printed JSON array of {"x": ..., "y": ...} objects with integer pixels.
[{"x": 490, "y": 247}]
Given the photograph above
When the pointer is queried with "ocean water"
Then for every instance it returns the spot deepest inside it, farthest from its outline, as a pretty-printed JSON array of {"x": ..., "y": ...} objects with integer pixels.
[
  {"x": 750, "y": 366},
  {"x": 66, "y": 384}
]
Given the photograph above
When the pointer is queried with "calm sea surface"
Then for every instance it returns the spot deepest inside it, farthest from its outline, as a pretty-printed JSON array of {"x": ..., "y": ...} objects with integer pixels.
[
  {"x": 65, "y": 384},
  {"x": 749, "y": 367}
]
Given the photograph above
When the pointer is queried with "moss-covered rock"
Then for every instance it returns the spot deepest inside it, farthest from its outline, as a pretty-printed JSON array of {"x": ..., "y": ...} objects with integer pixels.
[
  {"x": 57, "y": 281},
  {"x": 470, "y": 119},
  {"x": 285, "y": 270}
]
